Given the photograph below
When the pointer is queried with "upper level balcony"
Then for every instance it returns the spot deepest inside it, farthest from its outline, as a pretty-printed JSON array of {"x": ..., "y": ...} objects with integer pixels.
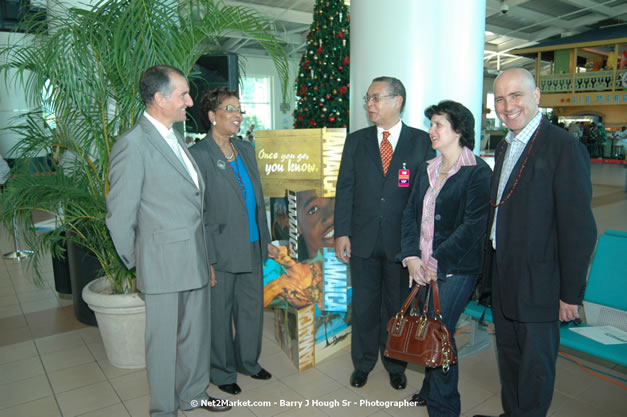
[
  {"x": 583, "y": 68},
  {"x": 584, "y": 82}
]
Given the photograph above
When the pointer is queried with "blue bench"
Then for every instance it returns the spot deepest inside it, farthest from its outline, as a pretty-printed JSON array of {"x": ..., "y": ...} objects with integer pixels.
[{"x": 605, "y": 303}]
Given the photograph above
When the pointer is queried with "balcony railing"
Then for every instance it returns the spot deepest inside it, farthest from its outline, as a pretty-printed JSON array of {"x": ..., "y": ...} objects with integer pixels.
[{"x": 585, "y": 81}]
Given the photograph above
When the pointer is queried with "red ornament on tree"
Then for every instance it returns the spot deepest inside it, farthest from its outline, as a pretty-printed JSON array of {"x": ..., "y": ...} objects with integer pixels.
[
  {"x": 346, "y": 61},
  {"x": 331, "y": 119},
  {"x": 319, "y": 50},
  {"x": 340, "y": 34},
  {"x": 342, "y": 90}
]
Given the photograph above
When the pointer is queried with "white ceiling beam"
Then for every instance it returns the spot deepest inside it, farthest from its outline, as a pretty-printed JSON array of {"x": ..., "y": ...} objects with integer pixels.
[
  {"x": 277, "y": 13},
  {"x": 598, "y": 8}
]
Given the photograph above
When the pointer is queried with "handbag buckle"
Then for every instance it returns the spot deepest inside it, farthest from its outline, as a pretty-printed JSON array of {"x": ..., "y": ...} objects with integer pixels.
[
  {"x": 446, "y": 349},
  {"x": 422, "y": 326},
  {"x": 398, "y": 321}
]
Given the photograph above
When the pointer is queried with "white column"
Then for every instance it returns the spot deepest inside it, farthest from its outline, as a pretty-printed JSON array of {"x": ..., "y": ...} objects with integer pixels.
[
  {"x": 13, "y": 102},
  {"x": 434, "y": 47}
]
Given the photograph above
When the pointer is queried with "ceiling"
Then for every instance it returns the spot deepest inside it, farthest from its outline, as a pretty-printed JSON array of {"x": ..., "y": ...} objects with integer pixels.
[{"x": 525, "y": 23}]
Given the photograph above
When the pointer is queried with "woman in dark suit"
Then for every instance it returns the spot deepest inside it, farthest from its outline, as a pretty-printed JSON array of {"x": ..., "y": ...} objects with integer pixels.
[
  {"x": 235, "y": 220},
  {"x": 443, "y": 234}
]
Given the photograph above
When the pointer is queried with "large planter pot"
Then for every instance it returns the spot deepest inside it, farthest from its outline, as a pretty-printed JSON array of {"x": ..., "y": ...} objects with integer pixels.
[
  {"x": 122, "y": 322},
  {"x": 61, "y": 269},
  {"x": 84, "y": 268}
]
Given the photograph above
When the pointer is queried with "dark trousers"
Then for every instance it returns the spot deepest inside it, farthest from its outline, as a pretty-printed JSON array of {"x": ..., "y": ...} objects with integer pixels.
[
  {"x": 527, "y": 352},
  {"x": 379, "y": 288},
  {"x": 237, "y": 304},
  {"x": 438, "y": 388}
]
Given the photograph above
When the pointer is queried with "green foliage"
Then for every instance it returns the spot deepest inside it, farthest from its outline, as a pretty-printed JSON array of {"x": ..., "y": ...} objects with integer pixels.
[
  {"x": 322, "y": 85},
  {"x": 93, "y": 60}
]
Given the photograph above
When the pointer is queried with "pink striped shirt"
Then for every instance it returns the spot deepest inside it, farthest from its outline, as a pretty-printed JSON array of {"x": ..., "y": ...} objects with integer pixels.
[{"x": 427, "y": 227}]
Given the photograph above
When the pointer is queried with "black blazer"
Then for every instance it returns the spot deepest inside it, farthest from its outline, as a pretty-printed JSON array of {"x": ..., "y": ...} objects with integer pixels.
[
  {"x": 365, "y": 198},
  {"x": 545, "y": 231},
  {"x": 461, "y": 215},
  {"x": 225, "y": 215}
]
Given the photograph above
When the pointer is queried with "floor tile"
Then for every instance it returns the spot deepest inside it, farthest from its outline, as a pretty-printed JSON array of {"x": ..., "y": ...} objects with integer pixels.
[
  {"x": 44, "y": 304},
  {"x": 76, "y": 377},
  {"x": 15, "y": 335},
  {"x": 43, "y": 407},
  {"x": 90, "y": 335},
  {"x": 7, "y": 300},
  {"x": 55, "y": 343},
  {"x": 272, "y": 393},
  {"x": 111, "y": 371},
  {"x": 17, "y": 351},
  {"x": 67, "y": 358},
  {"x": 305, "y": 411},
  {"x": 343, "y": 403},
  {"x": 11, "y": 310},
  {"x": 51, "y": 322},
  {"x": 133, "y": 385},
  {"x": 24, "y": 391},
  {"x": 117, "y": 410},
  {"x": 19, "y": 370},
  {"x": 311, "y": 383},
  {"x": 138, "y": 407},
  {"x": 86, "y": 399}
]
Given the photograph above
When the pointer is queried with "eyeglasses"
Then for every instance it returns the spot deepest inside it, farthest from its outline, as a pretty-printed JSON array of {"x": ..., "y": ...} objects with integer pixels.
[
  {"x": 376, "y": 97},
  {"x": 232, "y": 109}
]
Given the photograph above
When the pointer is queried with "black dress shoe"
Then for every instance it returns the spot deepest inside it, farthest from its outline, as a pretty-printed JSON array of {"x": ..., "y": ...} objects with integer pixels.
[
  {"x": 263, "y": 374},
  {"x": 418, "y": 400},
  {"x": 398, "y": 381},
  {"x": 233, "y": 389},
  {"x": 216, "y": 405},
  {"x": 359, "y": 378}
]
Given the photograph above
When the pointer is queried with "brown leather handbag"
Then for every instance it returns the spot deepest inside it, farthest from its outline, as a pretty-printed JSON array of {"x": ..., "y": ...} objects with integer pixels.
[{"x": 420, "y": 339}]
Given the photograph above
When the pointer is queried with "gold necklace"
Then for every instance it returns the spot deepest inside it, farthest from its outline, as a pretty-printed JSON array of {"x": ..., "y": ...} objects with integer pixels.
[{"x": 232, "y": 153}]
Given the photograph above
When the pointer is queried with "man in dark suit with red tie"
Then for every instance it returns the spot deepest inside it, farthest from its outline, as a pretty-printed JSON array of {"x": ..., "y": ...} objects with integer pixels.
[{"x": 371, "y": 193}]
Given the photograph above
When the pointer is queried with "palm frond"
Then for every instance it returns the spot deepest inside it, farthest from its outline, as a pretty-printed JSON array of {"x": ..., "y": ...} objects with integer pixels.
[{"x": 92, "y": 61}]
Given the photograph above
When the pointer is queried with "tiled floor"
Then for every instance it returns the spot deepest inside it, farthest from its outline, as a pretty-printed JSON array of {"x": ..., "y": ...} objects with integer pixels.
[{"x": 51, "y": 365}]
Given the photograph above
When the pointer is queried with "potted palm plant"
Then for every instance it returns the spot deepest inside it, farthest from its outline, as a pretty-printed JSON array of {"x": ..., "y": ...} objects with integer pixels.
[{"x": 86, "y": 64}]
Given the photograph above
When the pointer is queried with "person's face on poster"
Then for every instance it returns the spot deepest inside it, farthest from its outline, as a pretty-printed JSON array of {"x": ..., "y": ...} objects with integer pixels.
[{"x": 315, "y": 221}]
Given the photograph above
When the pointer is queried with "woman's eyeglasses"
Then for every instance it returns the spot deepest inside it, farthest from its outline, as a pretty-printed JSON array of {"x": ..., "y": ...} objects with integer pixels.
[{"x": 232, "y": 109}]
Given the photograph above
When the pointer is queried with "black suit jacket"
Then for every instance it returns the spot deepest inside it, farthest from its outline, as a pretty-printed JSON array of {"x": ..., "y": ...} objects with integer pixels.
[
  {"x": 545, "y": 231},
  {"x": 365, "y": 198},
  {"x": 225, "y": 215},
  {"x": 461, "y": 215}
]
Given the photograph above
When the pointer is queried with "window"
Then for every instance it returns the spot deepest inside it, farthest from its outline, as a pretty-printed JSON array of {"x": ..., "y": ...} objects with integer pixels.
[
  {"x": 255, "y": 98},
  {"x": 492, "y": 121}
]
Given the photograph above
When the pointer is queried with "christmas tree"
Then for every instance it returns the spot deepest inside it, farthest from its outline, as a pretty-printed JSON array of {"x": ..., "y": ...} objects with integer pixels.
[{"x": 323, "y": 77}]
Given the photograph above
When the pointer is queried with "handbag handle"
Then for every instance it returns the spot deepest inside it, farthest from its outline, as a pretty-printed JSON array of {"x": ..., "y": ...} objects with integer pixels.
[{"x": 436, "y": 299}]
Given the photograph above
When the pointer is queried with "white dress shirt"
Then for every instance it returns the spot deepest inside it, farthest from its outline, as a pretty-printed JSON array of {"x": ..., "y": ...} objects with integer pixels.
[{"x": 174, "y": 144}]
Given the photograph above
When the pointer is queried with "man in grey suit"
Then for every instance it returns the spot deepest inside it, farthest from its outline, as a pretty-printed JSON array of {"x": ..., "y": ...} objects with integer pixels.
[{"x": 155, "y": 207}]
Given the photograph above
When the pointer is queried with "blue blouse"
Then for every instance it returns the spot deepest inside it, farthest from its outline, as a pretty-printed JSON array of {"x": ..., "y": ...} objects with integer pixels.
[{"x": 241, "y": 174}]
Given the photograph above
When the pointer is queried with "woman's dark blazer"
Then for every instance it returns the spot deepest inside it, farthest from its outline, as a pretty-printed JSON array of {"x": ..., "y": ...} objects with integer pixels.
[
  {"x": 225, "y": 216},
  {"x": 461, "y": 215}
]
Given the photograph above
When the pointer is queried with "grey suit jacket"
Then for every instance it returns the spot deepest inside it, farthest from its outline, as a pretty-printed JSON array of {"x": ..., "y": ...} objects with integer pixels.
[
  {"x": 155, "y": 212},
  {"x": 226, "y": 219}
]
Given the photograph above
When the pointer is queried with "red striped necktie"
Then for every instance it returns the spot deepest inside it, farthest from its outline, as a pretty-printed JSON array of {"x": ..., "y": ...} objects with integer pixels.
[{"x": 386, "y": 152}]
